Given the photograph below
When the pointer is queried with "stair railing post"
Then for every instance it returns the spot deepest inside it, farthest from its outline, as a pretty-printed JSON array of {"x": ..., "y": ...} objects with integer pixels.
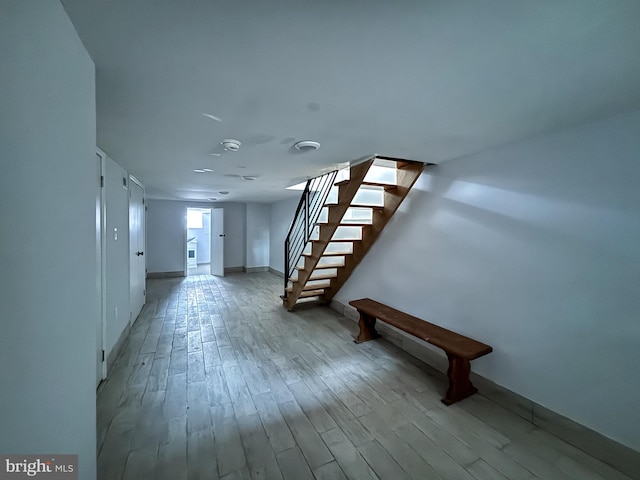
[
  {"x": 286, "y": 266},
  {"x": 306, "y": 214}
]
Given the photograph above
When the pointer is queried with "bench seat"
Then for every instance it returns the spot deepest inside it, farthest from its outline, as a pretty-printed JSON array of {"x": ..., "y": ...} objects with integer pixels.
[{"x": 460, "y": 350}]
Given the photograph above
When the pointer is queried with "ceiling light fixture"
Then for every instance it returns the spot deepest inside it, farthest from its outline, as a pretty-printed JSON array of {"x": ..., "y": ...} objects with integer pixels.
[
  {"x": 306, "y": 146},
  {"x": 224, "y": 193},
  {"x": 249, "y": 177},
  {"x": 203, "y": 170},
  {"x": 231, "y": 145}
]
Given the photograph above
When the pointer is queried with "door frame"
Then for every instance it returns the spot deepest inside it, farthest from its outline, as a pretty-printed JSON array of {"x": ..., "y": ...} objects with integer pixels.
[
  {"x": 133, "y": 179},
  {"x": 210, "y": 208},
  {"x": 101, "y": 260}
]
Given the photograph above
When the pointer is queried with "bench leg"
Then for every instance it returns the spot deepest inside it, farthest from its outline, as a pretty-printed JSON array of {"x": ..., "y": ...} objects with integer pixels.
[
  {"x": 367, "y": 325},
  {"x": 459, "y": 383}
]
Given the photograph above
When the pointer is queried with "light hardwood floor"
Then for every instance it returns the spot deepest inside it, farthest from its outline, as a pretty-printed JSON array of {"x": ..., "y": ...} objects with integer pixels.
[
  {"x": 200, "y": 269},
  {"x": 218, "y": 381}
]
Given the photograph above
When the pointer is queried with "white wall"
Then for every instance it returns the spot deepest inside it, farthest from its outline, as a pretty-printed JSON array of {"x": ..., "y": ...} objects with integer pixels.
[
  {"x": 117, "y": 252},
  {"x": 533, "y": 249},
  {"x": 166, "y": 224},
  {"x": 257, "y": 235},
  {"x": 235, "y": 220},
  {"x": 166, "y": 221},
  {"x": 48, "y": 187},
  {"x": 280, "y": 218}
]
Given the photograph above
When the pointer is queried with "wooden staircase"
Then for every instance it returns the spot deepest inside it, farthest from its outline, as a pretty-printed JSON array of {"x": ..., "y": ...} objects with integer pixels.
[{"x": 351, "y": 217}]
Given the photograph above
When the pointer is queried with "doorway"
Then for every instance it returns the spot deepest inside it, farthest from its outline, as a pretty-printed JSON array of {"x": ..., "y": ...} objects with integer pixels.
[
  {"x": 198, "y": 241},
  {"x": 204, "y": 249},
  {"x": 101, "y": 364}
]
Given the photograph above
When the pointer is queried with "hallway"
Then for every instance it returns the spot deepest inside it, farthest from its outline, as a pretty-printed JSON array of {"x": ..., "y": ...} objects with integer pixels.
[{"x": 218, "y": 381}]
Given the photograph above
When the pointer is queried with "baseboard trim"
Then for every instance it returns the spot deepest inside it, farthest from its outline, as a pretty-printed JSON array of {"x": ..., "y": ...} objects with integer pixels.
[
  {"x": 226, "y": 270},
  {"x": 233, "y": 270},
  {"x": 597, "y": 445},
  {"x": 256, "y": 269},
  {"x": 276, "y": 272},
  {"x": 165, "y": 274},
  {"x": 115, "y": 352}
]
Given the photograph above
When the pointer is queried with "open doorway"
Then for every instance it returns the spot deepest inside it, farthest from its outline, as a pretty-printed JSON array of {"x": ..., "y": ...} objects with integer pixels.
[
  {"x": 204, "y": 237},
  {"x": 198, "y": 241}
]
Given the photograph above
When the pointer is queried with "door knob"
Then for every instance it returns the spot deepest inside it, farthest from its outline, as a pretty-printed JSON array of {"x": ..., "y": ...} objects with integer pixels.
[{"x": 139, "y": 253}]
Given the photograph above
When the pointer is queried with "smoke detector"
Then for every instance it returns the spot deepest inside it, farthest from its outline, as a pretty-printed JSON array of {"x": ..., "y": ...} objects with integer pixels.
[
  {"x": 231, "y": 145},
  {"x": 306, "y": 146}
]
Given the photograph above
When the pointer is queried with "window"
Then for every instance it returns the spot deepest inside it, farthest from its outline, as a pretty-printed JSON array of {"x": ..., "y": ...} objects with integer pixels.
[{"x": 194, "y": 218}]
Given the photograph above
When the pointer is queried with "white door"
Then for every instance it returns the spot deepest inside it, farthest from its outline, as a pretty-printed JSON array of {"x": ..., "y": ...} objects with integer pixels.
[
  {"x": 100, "y": 360},
  {"x": 217, "y": 242},
  {"x": 137, "y": 271}
]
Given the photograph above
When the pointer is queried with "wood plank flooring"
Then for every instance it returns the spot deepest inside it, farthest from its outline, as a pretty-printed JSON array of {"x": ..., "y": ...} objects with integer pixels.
[{"x": 218, "y": 381}]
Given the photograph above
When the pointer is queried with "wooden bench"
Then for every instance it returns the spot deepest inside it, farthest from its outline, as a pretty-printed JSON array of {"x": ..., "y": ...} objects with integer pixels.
[{"x": 460, "y": 350}]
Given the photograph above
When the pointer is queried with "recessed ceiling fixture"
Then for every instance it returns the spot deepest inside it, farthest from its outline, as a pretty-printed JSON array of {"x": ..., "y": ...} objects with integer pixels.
[
  {"x": 202, "y": 170},
  {"x": 249, "y": 177},
  {"x": 231, "y": 145},
  {"x": 213, "y": 199},
  {"x": 306, "y": 145},
  {"x": 224, "y": 193}
]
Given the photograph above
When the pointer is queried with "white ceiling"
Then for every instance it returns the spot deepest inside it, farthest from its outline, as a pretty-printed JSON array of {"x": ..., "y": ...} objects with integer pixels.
[{"x": 426, "y": 80}]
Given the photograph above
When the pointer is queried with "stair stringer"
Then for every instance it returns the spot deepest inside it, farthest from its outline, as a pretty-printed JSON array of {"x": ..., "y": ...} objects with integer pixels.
[
  {"x": 407, "y": 175},
  {"x": 346, "y": 193}
]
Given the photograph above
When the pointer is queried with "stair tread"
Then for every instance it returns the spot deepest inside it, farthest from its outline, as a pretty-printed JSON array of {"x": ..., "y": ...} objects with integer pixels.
[
  {"x": 318, "y": 286},
  {"x": 386, "y": 186},
  {"x": 323, "y": 267},
  {"x": 367, "y": 205},
  {"x": 330, "y": 254},
  {"x": 323, "y": 276},
  {"x": 346, "y": 224},
  {"x": 369, "y": 183},
  {"x": 401, "y": 162},
  {"x": 373, "y": 207},
  {"x": 336, "y": 240},
  {"x": 311, "y": 293},
  {"x": 310, "y": 288}
]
